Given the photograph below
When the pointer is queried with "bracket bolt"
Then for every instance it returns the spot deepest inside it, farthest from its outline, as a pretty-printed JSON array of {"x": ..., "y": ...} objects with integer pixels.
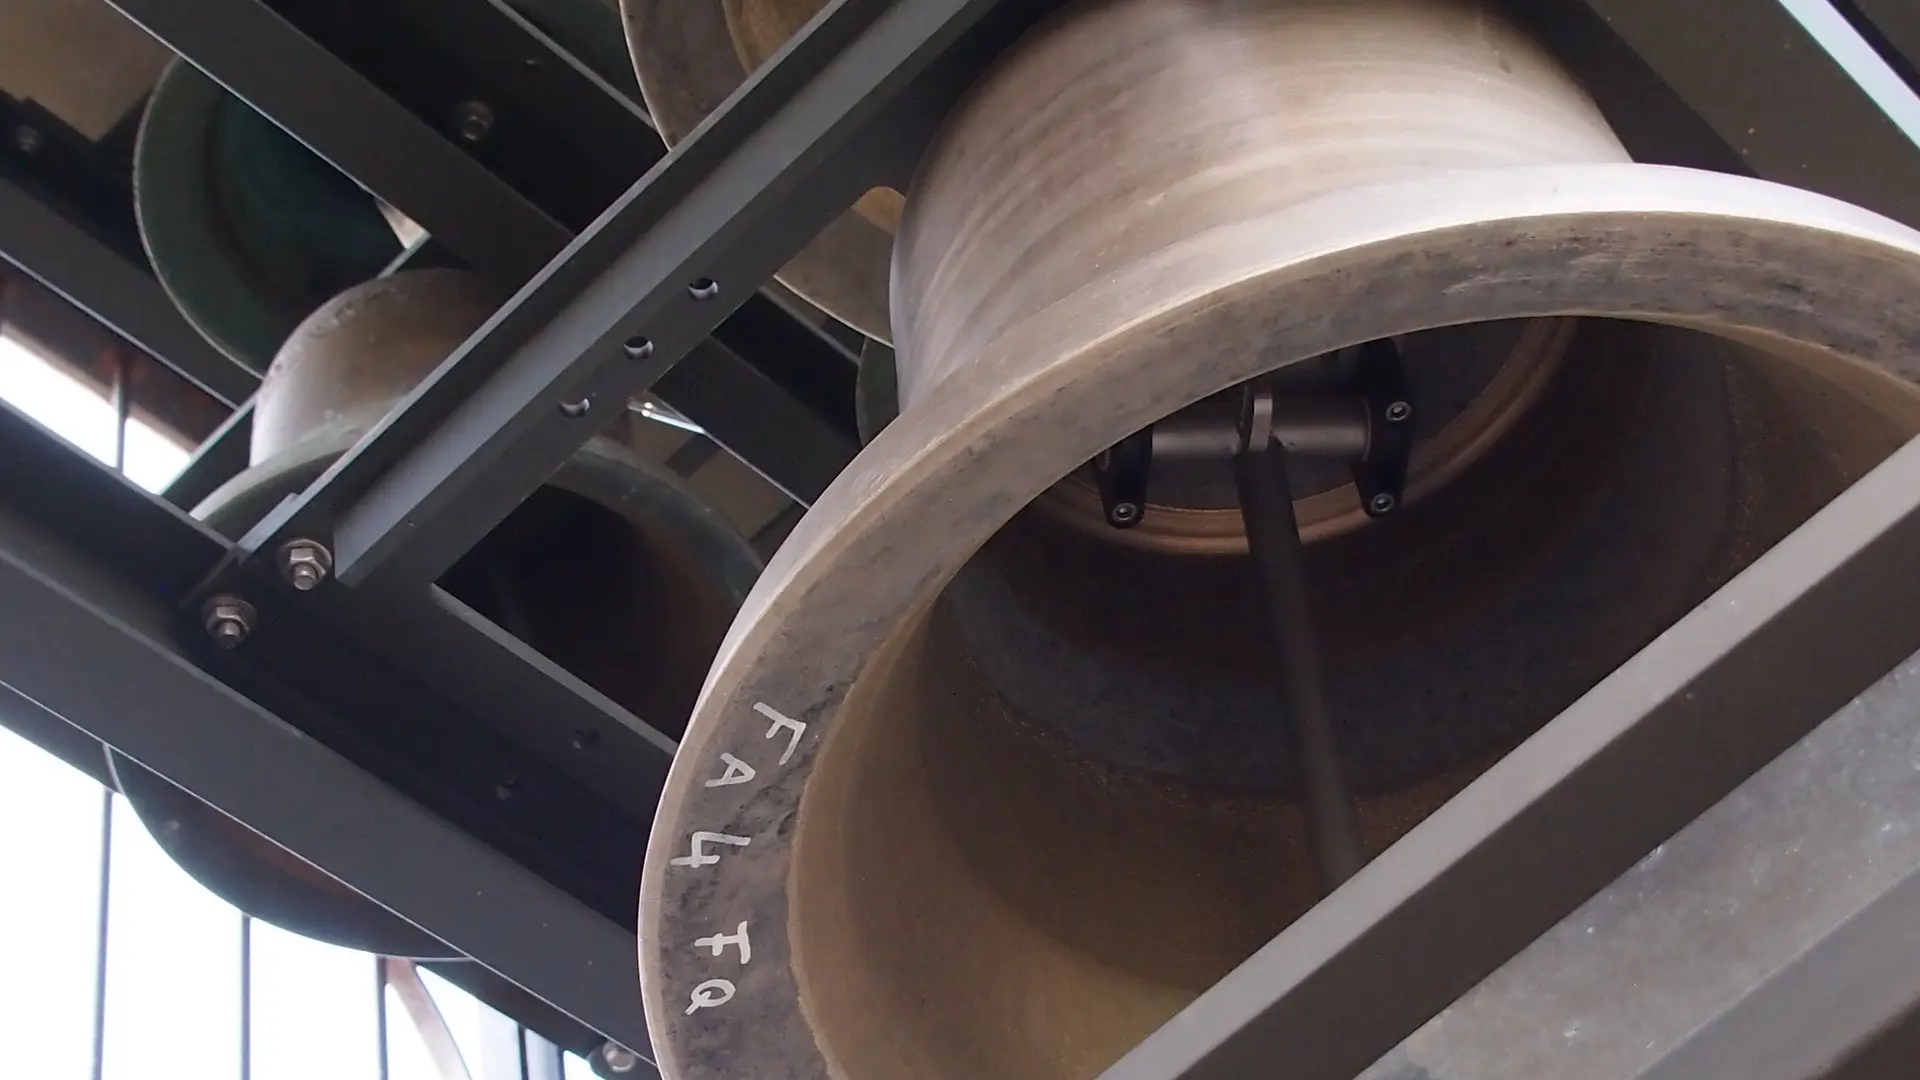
[
  {"x": 619, "y": 1059},
  {"x": 228, "y": 620},
  {"x": 1399, "y": 411},
  {"x": 1382, "y": 503},
  {"x": 27, "y": 139},
  {"x": 305, "y": 564},
  {"x": 473, "y": 120}
]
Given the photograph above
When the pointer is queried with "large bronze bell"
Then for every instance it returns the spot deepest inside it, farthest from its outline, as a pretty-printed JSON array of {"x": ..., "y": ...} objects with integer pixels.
[
  {"x": 613, "y": 570},
  {"x": 983, "y": 786}
]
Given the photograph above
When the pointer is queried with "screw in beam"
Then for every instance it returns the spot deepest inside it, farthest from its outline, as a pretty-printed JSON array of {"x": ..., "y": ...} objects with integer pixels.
[
  {"x": 228, "y": 620},
  {"x": 619, "y": 1059},
  {"x": 305, "y": 564},
  {"x": 473, "y": 121}
]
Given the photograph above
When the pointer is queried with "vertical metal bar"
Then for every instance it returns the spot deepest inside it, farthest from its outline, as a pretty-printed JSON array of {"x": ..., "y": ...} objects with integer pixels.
[
  {"x": 380, "y": 1014},
  {"x": 100, "y": 938},
  {"x": 543, "y": 1059},
  {"x": 122, "y": 404},
  {"x": 503, "y": 1048},
  {"x": 1273, "y": 538},
  {"x": 122, "y": 409},
  {"x": 246, "y": 996}
]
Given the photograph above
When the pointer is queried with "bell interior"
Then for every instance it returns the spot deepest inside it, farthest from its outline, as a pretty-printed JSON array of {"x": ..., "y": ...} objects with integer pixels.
[
  {"x": 631, "y": 611},
  {"x": 1057, "y": 805}
]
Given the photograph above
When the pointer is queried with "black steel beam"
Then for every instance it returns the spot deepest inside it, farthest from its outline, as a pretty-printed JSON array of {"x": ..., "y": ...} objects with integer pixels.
[
  {"x": 418, "y": 690},
  {"x": 1786, "y": 644},
  {"x": 782, "y": 440},
  {"x": 259, "y": 56},
  {"x": 631, "y": 296},
  {"x": 98, "y": 577},
  {"x": 1769, "y": 938},
  {"x": 1857, "y": 985},
  {"x": 1780, "y": 83},
  {"x": 78, "y": 749},
  {"x": 162, "y": 711},
  {"x": 554, "y": 129},
  {"x": 605, "y": 143},
  {"x": 789, "y": 417},
  {"x": 1898, "y": 23},
  {"x": 121, "y": 294}
]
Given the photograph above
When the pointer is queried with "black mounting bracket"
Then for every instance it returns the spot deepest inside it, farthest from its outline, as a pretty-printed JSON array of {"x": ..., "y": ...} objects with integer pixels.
[{"x": 1381, "y": 473}]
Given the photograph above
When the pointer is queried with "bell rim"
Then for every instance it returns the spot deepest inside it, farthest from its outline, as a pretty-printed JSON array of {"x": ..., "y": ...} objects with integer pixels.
[{"x": 957, "y": 466}]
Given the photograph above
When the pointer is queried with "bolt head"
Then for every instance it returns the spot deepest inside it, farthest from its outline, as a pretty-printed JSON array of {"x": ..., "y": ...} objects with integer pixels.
[
  {"x": 1382, "y": 503},
  {"x": 27, "y": 139},
  {"x": 619, "y": 1059},
  {"x": 1125, "y": 513},
  {"x": 1399, "y": 411},
  {"x": 305, "y": 564},
  {"x": 228, "y": 620},
  {"x": 473, "y": 120}
]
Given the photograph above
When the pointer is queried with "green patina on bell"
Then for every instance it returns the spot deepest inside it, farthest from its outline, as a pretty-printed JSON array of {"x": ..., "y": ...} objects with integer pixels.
[{"x": 249, "y": 231}]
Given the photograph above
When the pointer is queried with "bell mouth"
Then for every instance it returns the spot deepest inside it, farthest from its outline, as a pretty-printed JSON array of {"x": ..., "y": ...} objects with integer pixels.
[
  {"x": 944, "y": 878},
  {"x": 1059, "y": 802}
]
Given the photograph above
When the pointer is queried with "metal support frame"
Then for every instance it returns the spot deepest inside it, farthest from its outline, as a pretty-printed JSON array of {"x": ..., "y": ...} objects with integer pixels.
[
  {"x": 495, "y": 228},
  {"x": 628, "y": 298},
  {"x": 1866, "y": 977},
  {"x": 1897, "y": 25},
  {"x": 1792, "y": 99},
  {"x": 69, "y": 596},
  {"x": 119, "y": 293},
  {"x": 91, "y": 567}
]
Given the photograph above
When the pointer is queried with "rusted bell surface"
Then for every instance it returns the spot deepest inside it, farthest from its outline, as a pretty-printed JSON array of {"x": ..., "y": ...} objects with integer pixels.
[
  {"x": 980, "y": 787},
  {"x": 613, "y": 571},
  {"x": 690, "y": 55}
]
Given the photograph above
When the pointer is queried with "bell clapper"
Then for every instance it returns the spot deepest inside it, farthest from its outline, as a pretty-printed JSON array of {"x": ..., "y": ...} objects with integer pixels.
[
  {"x": 1370, "y": 429},
  {"x": 1273, "y": 540}
]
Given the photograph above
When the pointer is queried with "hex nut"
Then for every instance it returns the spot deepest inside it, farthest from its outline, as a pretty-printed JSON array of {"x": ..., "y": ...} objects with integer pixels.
[
  {"x": 305, "y": 564},
  {"x": 228, "y": 620}
]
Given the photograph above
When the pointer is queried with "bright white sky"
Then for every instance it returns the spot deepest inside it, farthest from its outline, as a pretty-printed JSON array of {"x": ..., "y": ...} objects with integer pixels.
[{"x": 173, "y": 952}]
